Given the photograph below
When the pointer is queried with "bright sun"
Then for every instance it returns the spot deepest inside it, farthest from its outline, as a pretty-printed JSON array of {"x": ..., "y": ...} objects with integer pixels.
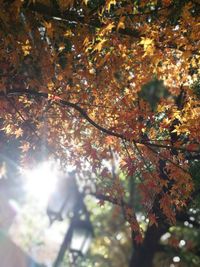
[{"x": 40, "y": 181}]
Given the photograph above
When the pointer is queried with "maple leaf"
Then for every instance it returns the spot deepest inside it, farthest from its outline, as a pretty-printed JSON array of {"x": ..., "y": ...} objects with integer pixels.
[
  {"x": 107, "y": 29},
  {"x": 49, "y": 28},
  {"x": 193, "y": 147},
  {"x": 85, "y": 2},
  {"x": 96, "y": 91},
  {"x": 109, "y": 140},
  {"x": 148, "y": 45},
  {"x": 19, "y": 132},
  {"x": 121, "y": 23},
  {"x": 25, "y": 147},
  {"x": 166, "y": 2},
  {"x": 98, "y": 47},
  {"x": 109, "y": 3},
  {"x": 166, "y": 206},
  {"x": 26, "y": 48},
  {"x": 138, "y": 238},
  {"x": 8, "y": 129},
  {"x": 101, "y": 203},
  {"x": 152, "y": 219}
]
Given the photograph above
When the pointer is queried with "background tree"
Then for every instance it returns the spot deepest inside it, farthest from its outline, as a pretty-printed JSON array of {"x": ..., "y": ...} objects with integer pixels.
[{"x": 109, "y": 82}]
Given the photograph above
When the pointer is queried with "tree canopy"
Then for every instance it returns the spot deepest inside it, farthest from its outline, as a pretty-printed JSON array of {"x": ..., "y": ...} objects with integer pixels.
[{"x": 112, "y": 88}]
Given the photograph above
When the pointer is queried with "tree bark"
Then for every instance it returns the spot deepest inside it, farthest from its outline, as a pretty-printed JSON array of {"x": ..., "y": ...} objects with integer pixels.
[{"x": 143, "y": 254}]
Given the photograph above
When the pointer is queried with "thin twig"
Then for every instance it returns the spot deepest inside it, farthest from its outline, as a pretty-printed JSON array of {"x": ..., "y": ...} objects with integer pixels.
[
  {"x": 143, "y": 159},
  {"x": 28, "y": 124},
  {"x": 167, "y": 159},
  {"x": 149, "y": 193},
  {"x": 83, "y": 113}
]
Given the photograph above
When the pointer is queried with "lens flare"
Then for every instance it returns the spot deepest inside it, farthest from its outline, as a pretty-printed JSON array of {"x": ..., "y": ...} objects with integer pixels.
[{"x": 40, "y": 181}]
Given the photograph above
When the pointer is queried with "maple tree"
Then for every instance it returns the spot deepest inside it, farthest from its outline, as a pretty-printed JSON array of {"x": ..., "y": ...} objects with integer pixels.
[{"x": 108, "y": 82}]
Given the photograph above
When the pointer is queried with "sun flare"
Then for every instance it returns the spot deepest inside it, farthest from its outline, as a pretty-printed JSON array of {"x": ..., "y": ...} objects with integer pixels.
[{"x": 40, "y": 181}]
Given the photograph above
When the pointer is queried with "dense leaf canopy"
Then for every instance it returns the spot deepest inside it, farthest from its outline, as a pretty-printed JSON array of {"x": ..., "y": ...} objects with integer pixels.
[{"x": 107, "y": 83}]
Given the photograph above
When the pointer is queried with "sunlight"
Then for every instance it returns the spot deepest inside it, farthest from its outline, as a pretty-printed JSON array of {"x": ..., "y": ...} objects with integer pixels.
[{"x": 40, "y": 182}]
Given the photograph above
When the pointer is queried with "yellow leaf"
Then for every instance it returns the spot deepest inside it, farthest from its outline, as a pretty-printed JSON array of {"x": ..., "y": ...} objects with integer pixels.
[
  {"x": 98, "y": 47},
  {"x": 148, "y": 45},
  {"x": 86, "y": 41},
  {"x": 146, "y": 42},
  {"x": 161, "y": 108},
  {"x": 26, "y": 48},
  {"x": 107, "y": 29},
  {"x": 121, "y": 24},
  {"x": 61, "y": 47},
  {"x": 49, "y": 28},
  {"x": 8, "y": 129},
  {"x": 25, "y": 147},
  {"x": 68, "y": 33},
  {"x": 109, "y": 3},
  {"x": 18, "y": 132}
]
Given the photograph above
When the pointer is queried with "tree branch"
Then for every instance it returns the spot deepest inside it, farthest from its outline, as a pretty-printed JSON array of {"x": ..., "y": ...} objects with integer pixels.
[
  {"x": 71, "y": 16},
  {"x": 112, "y": 200},
  {"x": 74, "y": 17},
  {"x": 61, "y": 102},
  {"x": 57, "y": 100}
]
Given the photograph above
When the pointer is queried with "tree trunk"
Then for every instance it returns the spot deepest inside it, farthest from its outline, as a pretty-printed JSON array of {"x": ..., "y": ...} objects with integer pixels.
[{"x": 142, "y": 255}]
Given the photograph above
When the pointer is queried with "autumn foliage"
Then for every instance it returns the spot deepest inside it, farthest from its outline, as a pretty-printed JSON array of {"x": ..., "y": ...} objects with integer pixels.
[{"x": 107, "y": 83}]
